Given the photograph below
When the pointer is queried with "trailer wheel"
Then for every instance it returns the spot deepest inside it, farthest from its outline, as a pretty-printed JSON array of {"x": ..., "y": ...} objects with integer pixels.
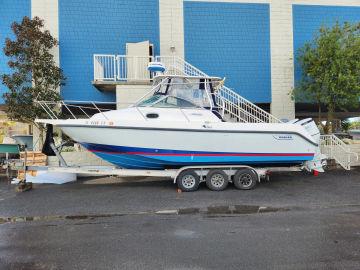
[
  {"x": 217, "y": 180},
  {"x": 188, "y": 180},
  {"x": 245, "y": 179}
]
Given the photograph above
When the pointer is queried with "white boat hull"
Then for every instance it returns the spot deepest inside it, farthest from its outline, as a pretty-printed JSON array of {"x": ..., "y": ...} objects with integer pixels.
[{"x": 158, "y": 148}]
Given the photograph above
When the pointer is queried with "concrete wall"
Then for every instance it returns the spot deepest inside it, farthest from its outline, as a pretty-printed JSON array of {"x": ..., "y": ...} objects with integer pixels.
[
  {"x": 171, "y": 27},
  {"x": 83, "y": 158},
  {"x": 127, "y": 95},
  {"x": 282, "y": 65},
  {"x": 48, "y": 11}
]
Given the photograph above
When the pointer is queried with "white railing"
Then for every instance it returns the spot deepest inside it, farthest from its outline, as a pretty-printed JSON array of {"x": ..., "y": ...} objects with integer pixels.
[
  {"x": 133, "y": 68},
  {"x": 121, "y": 67},
  {"x": 69, "y": 109},
  {"x": 105, "y": 67},
  {"x": 243, "y": 110},
  {"x": 178, "y": 66},
  {"x": 334, "y": 148}
]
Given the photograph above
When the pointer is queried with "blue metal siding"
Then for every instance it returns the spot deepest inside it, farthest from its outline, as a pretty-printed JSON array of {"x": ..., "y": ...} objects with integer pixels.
[
  {"x": 308, "y": 19},
  {"x": 231, "y": 40},
  {"x": 100, "y": 27},
  {"x": 11, "y": 10}
]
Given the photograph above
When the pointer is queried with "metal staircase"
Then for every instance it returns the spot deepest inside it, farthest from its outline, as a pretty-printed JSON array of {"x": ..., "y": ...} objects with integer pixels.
[
  {"x": 336, "y": 149},
  {"x": 237, "y": 108}
]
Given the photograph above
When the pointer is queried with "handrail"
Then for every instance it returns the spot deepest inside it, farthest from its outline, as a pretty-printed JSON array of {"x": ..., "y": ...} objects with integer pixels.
[
  {"x": 104, "y": 67},
  {"x": 99, "y": 110},
  {"x": 63, "y": 104},
  {"x": 187, "y": 66},
  {"x": 137, "y": 108},
  {"x": 336, "y": 149},
  {"x": 251, "y": 112},
  {"x": 111, "y": 67},
  {"x": 149, "y": 92},
  {"x": 71, "y": 108}
]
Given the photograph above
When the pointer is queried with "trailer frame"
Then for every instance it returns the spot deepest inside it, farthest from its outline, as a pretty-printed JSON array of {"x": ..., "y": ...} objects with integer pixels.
[{"x": 262, "y": 173}]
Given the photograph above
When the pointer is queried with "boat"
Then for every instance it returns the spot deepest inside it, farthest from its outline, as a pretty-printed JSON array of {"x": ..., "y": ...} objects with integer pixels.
[
  {"x": 182, "y": 122},
  {"x": 24, "y": 140},
  {"x": 354, "y": 133}
]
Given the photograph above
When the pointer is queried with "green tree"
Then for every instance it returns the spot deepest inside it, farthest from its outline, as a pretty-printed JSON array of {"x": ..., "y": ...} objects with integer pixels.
[
  {"x": 34, "y": 73},
  {"x": 331, "y": 69}
]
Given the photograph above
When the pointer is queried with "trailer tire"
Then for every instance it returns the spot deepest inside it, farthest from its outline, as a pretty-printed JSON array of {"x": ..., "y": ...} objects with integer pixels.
[
  {"x": 245, "y": 179},
  {"x": 188, "y": 180},
  {"x": 217, "y": 180}
]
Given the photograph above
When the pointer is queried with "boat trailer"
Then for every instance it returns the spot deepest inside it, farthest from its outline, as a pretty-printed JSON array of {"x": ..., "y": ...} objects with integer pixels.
[{"x": 187, "y": 178}]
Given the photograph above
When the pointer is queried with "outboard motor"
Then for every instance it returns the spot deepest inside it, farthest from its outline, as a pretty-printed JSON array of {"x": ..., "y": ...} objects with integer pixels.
[
  {"x": 311, "y": 128},
  {"x": 319, "y": 159}
]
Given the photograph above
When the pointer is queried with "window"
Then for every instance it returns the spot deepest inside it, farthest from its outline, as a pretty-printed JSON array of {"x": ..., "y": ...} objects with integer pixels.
[
  {"x": 161, "y": 101},
  {"x": 174, "y": 102},
  {"x": 149, "y": 101}
]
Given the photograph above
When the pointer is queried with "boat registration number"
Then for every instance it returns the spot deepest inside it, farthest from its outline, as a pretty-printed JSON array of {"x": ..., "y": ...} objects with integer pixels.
[{"x": 99, "y": 123}]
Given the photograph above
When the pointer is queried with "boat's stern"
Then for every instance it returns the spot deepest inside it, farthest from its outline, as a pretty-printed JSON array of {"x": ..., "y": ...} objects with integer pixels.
[{"x": 319, "y": 160}]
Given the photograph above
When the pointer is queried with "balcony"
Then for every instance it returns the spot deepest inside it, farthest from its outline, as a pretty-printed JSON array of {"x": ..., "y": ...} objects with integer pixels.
[{"x": 112, "y": 70}]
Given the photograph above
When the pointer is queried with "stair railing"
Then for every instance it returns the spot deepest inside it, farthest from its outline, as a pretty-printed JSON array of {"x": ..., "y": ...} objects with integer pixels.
[
  {"x": 334, "y": 148},
  {"x": 237, "y": 107}
]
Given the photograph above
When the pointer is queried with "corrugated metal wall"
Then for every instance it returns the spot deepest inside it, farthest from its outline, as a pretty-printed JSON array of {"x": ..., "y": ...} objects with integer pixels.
[
  {"x": 10, "y": 11},
  {"x": 100, "y": 27},
  {"x": 232, "y": 40}
]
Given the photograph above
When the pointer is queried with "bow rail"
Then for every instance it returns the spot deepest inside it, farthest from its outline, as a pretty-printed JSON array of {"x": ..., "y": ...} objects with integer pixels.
[{"x": 74, "y": 108}]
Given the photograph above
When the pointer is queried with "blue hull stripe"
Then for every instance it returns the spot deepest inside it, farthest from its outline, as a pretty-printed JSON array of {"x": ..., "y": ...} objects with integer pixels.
[{"x": 148, "y": 158}]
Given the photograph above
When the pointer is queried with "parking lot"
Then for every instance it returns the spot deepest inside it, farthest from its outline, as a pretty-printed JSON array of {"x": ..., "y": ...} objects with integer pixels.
[{"x": 295, "y": 221}]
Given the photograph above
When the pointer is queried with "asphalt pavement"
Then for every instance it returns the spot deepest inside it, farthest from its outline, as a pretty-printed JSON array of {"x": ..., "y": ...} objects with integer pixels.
[{"x": 295, "y": 221}]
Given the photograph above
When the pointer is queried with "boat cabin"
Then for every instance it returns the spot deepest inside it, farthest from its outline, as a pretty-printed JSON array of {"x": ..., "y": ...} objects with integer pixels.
[{"x": 172, "y": 91}]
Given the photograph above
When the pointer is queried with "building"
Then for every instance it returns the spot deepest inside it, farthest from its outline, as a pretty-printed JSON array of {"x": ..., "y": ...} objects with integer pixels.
[{"x": 252, "y": 43}]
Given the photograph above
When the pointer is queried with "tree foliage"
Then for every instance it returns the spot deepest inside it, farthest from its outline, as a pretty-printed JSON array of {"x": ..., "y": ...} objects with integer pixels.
[
  {"x": 355, "y": 125},
  {"x": 34, "y": 73},
  {"x": 331, "y": 69}
]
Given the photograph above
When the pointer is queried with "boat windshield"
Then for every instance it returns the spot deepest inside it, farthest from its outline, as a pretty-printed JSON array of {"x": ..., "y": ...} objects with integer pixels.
[
  {"x": 192, "y": 90},
  {"x": 161, "y": 101},
  {"x": 150, "y": 101}
]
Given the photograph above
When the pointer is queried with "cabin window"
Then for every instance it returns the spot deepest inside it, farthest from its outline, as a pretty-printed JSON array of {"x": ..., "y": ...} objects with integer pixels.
[
  {"x": 149, "y": 101},
  {"x": 161, "y": 101},
  {"x": 174, "y": 102}
]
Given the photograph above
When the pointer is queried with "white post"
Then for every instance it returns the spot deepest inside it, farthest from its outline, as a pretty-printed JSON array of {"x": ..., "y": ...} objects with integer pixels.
[
  {"x": 282, "y": 62},
  {"x": 114, "y": 66},
  {"x": 38, "y": 139},
  {"x": 171, "y": 27},
  {"x": 48, "y": 11}
]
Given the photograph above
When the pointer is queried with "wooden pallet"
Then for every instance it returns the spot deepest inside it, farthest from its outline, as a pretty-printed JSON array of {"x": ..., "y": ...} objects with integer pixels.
[{"x": 33, "y": 158}]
